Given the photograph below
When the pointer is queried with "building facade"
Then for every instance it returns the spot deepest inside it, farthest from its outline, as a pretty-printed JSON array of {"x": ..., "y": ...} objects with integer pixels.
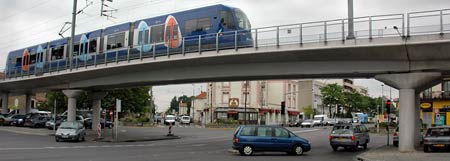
[
  {"x": 252, "y": 102},
  {"x": 435, "y": 105}
]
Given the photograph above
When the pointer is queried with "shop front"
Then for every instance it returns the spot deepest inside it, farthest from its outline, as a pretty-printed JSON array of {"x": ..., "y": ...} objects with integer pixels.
[
  {"x": 435, "y": 113},
  {"x": 238, "y": 113}
]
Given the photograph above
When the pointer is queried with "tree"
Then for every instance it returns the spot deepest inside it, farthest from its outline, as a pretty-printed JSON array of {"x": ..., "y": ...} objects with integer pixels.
[
  {"x": 173, "y": 105},
  {"x": 134, "y": 100},
  {"x": 332, "y": 95},
  {"x": 308, "y": 110}
]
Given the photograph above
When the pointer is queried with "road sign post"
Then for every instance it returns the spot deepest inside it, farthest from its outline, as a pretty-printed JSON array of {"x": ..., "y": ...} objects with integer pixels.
[{"x": 116, "y": 120}]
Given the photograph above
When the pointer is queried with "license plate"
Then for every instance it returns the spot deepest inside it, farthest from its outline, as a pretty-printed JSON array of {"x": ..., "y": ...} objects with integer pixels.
[
  {"x": 439, "y": 145},
  {"x": 65, "y": 136},
  {"x": 341, "y": 138}
]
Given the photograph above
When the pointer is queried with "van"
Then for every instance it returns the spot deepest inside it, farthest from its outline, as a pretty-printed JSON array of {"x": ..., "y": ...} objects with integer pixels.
[
  {"x": 254, "y": 138},
  {"x": 319, "y": 120}
]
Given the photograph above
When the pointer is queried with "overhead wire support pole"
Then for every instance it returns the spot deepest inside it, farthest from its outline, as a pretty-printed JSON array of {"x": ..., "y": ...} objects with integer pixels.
[{"x": 74, "y": 17}]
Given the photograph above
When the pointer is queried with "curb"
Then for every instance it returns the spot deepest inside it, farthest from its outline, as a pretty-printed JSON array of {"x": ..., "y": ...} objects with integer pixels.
[
  {"x": 135, "y": 140},
  {"x": 360, "y": 158},
  {"x": 233, "y": 151}
]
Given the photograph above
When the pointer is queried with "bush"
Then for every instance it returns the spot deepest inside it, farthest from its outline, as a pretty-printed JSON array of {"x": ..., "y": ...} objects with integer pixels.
[{"x": 223, "y": 121}]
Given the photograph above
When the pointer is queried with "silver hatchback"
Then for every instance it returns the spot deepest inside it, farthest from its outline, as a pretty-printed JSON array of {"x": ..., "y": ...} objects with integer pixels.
[
  {"x": 349, "y": 136},
  {"x": 437, "y": 138}
]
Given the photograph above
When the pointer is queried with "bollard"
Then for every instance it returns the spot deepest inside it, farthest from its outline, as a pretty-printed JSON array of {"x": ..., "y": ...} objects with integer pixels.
[{"x": 170, "y": 130}]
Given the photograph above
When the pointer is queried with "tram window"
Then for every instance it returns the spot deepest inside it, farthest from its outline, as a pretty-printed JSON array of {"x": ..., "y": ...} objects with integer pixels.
[
  {"x": 157, "y": 34},
  {"x": 18, "y": 60},
  {"x": 115, "y": 41},
  {"x": 228, "y": 21},
  {"x": 57, "y": 53},
  {"x": 33, "y": 59},
  {"x": 175, "y": 32},
  {"x": 242, "y": 20},
  {"x": 146, "y": 37},
  {"x": 41, "y": 56},
  {"x": 198, "y": 25},
  {"x": 85, "y": 48},
  {"x": 93, "y": 46},
  {"x": 204, "y": 24},
  {"x": 76, "y": 49}
]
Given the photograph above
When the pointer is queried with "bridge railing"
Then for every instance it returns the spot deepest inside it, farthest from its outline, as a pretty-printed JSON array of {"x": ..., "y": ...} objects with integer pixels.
[{"x": 367, "y": 27}]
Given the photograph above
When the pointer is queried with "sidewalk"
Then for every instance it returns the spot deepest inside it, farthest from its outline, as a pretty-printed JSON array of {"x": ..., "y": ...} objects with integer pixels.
[
  {"x": 391, "y": 153},
  {"x": 129, "y": 134}
]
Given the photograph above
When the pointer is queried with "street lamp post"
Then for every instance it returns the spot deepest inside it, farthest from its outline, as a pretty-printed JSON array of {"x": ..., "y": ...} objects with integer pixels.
[
  {"x": 350, "y": 20},
  {"x": 192, "y": 104},
  {"x": 245, "y": 103}
]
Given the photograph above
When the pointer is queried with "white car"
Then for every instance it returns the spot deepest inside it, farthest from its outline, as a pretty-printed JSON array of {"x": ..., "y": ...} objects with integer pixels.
[
  {"x": 169, "y": 120},
  {"x": 307, "y": 123},
  {"x": 185, "y": 120}
]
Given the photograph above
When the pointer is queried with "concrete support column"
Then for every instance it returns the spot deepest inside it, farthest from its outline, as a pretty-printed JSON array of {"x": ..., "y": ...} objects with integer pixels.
[
  {"x": 407, "y": 120},
  {"x": 72, "y": 103},
  {"x": 418, "y": 123},
  {"x": 96, "y": 104},
  {"x": 408, "y": 83},
  {"x": 28, "y": 103},
  {"x": 5, "y": 103}
]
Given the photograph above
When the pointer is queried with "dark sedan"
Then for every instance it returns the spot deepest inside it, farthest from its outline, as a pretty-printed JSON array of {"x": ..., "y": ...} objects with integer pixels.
[{"x": 103, "y": 123}]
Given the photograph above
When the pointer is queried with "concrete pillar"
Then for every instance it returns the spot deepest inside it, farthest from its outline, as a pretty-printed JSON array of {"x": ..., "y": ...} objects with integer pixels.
[
  {"x": 96, "y": 104},
  {"x": 72, "y": 103},
  {"x": 407, "y": 83},
  {"x": 5, "y": 103},
  {"x": 417, "y": 133},
  {"x": 28, "y": 103}
]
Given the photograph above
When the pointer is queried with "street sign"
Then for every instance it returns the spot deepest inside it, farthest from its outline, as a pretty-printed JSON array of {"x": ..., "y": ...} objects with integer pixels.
[
  {"x": 118, "y": 105},
  {"x": 436, "y": 111}
]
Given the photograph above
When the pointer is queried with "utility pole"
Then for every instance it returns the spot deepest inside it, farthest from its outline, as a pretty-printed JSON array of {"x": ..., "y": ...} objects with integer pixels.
[
  {"x": 245, "y": 103},
  {"x": 350, "y": 20},
  {"x": 72, "y": 35},
  {"x": 192, "y": 104}
]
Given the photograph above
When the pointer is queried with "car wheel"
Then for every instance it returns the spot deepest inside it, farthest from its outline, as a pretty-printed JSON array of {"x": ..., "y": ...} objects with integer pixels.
[
  {"x": 356, "y": 147},
  {"x": 365, "y": 144},
  {"x": 297, "y": 150},
  {"x": 247, "y": 150},
  {"x": 426, "y": 149},
  {"x": 335, "y": 148},
  {"x": 83, "y": 138},
  {"x": 395, "y": 143},
  {"x": 57, "y": 140},
  {"x": 301, "y": 126}
]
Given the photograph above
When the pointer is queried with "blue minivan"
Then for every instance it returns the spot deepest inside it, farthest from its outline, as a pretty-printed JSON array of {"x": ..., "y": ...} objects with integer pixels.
[{"x": 253, "y": 138}]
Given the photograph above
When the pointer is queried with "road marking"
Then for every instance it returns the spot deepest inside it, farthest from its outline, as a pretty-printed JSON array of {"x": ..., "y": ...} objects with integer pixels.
[
  {"x": 24, "y": 132},
  {"x": 305, "y": 131},
  {"x": 78, "y": 147}
]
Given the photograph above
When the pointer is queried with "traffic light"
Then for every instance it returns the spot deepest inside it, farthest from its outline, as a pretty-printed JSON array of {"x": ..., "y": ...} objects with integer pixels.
[
  {"x": 388, "y": 106},
  {"x": 283, "y": 107}
]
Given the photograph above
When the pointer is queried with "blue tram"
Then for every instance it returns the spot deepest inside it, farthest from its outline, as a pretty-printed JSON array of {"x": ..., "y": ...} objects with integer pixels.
[{"x": 208, "y": 28}]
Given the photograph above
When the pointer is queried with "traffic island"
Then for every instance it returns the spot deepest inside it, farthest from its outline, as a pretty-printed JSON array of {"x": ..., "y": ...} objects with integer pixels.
[
  {"x": 128, "y": 135},
  {"x": 390, "y": 153}
]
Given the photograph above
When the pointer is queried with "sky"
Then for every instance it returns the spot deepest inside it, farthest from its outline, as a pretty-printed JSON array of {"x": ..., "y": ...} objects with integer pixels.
[{"x": 29, "y": 22}]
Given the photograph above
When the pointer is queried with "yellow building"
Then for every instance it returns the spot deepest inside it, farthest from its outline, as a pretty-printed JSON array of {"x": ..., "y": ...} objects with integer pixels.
[{"x": 435, "y": 105}]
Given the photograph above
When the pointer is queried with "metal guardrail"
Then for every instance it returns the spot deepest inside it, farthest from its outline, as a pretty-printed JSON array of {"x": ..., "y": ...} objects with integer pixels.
[{"x": 368, "y": 27}]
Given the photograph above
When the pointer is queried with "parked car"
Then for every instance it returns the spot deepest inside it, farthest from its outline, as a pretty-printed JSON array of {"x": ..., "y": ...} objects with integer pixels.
[
  {"x": 349, "y": 136},
  {"x": 331, "y": 122},
  {"x": 35, "y": 120},
  {"x": 10, "y": 120},
  {"x": 307, "y": 123},
  {"x": 103, "y": 123},
  {"x": 250, "y": 139},
  {"x": 319, "y": 120},
  {"x": 49, "y": 124},
  {"x": 185, "y": 120},
  {"x": 2, "y": 120},
  {"x": 295, "y": 123},
  {"x": 18, "y": 120},
  {"x": 169, "y": 120},
  {"x": 70, "y": 130},
  {"x": 437, "y": 138}
]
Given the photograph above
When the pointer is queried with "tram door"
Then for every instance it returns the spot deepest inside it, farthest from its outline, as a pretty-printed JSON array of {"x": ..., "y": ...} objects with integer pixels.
[{"x": 172, "y": 36}]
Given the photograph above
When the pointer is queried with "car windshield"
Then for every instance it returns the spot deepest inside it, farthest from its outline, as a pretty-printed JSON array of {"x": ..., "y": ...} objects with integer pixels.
[
  {"x": 170, "y": 118},
  {"x": 346, "y": 129},
  {"x": 68, "y": 125},
  {"x": 438, "y": 132},
  {"x": 307, "y": 121}
]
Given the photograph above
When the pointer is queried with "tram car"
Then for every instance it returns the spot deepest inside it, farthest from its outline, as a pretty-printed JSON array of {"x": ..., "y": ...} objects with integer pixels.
[{"x": 211, "y": 28}]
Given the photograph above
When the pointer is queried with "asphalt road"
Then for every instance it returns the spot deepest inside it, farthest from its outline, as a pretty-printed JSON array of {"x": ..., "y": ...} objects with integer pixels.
[{"x": 196, "y": 144}]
